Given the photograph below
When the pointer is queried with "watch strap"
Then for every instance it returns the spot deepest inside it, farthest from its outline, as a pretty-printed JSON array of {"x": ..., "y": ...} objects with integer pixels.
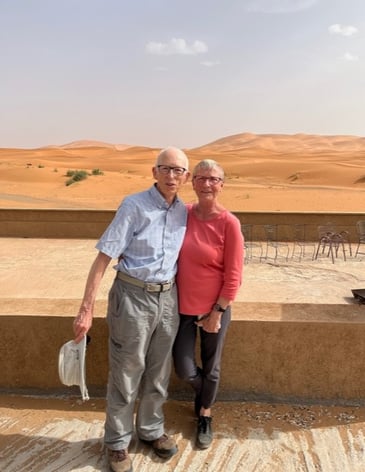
[{"x": 217, "y": 307}]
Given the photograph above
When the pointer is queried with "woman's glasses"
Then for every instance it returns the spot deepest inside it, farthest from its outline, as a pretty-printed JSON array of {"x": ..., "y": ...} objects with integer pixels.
[{"x": 211, "y": 180}]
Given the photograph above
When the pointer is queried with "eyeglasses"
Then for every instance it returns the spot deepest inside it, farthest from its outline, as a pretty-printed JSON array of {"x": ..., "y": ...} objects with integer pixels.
[
  {"x": 211, "y": 180},
  {"x": 167, "y": 169}
]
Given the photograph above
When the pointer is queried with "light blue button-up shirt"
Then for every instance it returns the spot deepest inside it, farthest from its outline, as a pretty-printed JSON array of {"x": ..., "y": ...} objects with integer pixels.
[{"x": 148, "y": 233}]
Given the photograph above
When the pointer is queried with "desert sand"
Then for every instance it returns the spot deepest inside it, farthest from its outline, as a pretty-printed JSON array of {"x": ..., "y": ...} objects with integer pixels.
[{"x": 263, "y": 173}]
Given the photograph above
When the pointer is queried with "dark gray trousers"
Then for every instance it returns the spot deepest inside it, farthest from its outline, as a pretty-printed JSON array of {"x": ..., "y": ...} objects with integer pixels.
[{"x": 204, "y": 379}]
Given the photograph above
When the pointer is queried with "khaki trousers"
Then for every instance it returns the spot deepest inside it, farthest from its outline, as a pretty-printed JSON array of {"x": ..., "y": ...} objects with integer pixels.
[{"x": 142, "y": 329}]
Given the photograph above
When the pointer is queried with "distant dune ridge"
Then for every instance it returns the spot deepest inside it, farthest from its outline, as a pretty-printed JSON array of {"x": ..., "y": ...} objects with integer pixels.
[
  {"x": 283, "y": 143},
  {"x": 264, "y": 172}
]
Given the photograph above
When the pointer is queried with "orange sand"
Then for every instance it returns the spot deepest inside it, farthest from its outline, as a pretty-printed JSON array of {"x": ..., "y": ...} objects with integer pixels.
[{"x": 263, "y": 173}]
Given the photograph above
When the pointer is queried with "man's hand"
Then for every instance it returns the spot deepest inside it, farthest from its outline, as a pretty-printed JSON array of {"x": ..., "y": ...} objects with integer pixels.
[{"x": 82, "y": 323}]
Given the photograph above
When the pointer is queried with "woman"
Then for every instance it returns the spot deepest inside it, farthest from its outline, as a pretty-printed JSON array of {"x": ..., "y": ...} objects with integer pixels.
[{"x": 208, "y": 278}]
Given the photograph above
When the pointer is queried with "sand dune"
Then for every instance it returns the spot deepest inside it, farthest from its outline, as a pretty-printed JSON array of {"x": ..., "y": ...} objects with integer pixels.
[{"x": 265, "y": 172}]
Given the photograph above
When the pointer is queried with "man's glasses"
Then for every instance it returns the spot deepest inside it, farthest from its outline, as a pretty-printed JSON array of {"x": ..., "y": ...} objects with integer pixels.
[
  {"x": 211, "y": 180},
  {"x": 167, "y": 169}
]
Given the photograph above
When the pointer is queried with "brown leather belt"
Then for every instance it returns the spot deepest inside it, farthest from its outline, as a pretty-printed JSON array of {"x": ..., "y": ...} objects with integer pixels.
[{"x": 148, "y": 286}]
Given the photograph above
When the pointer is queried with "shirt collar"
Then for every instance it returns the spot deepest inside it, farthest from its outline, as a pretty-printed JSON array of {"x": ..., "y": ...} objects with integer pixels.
[{"x": 159, "y": 199}]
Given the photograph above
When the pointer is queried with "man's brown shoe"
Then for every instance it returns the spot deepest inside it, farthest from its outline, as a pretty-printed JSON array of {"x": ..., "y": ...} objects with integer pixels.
[
  {"x": 119, "y": 461},
  {"x": 164, "y": 446}
]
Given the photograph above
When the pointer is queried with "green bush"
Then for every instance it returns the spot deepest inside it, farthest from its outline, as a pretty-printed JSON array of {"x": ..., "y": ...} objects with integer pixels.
[
  {"x": 76, "y": 176},
  {"x": 97, "y": 172}
]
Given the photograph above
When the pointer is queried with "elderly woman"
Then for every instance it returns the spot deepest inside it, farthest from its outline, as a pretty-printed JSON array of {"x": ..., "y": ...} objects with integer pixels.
[{"x": 208, "y": 278}]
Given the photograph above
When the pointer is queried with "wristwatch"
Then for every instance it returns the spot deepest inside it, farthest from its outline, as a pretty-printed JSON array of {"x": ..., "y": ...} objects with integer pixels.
[{"x": 217, "y": 307}]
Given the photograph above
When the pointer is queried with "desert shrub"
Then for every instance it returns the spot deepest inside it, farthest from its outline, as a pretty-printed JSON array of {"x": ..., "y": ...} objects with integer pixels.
[
  {"x": 76, "y": 176},
  {"x": 294, "y": 177}
]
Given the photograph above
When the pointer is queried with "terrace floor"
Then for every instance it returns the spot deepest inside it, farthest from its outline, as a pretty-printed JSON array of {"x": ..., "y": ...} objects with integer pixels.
[{"x": 62, "y": 434}]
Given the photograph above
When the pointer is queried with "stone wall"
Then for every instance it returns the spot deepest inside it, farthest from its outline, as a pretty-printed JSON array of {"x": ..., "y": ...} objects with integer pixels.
[
  {"x": 291, "y": 352},
  {"x": 90, "y": 224}
]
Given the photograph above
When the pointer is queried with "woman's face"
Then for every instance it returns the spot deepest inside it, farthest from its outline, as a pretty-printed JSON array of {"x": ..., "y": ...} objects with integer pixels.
[{"x": 207, "y": 183}]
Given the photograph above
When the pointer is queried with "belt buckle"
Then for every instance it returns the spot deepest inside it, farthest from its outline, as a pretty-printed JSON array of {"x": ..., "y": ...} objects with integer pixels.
[
  {"x": 162, "y": 287},
  {"x": 150, "y": 287}
]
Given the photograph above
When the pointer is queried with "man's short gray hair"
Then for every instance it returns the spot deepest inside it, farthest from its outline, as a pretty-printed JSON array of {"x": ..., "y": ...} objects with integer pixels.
[{"x": 176, "y": 152}]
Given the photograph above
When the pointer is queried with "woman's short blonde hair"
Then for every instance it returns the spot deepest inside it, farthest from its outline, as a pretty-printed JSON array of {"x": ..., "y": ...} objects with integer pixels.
[{"x": 208, "y": 164}]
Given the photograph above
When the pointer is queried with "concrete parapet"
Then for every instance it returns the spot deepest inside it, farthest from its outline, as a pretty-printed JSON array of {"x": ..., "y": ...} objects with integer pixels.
[
  {"x": 296, "y": 333},
  {"x": 90, "y": 224},
  {"x": 292, "y": 352},
  {"x": 43, "y": 223}
]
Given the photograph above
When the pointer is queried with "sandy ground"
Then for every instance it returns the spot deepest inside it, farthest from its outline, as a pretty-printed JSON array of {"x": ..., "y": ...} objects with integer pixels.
[
  {"x": 64, "y": 435},
  {"x": 263, "y": 172},
  {"x": 304, "y": 281}
]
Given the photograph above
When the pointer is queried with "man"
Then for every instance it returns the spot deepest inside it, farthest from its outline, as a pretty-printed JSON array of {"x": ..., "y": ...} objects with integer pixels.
[{"x": 145, "y": 236}]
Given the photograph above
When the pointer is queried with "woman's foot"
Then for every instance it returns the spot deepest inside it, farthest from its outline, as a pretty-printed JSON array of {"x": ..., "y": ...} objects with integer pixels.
[{"x": 204, "y": 436}]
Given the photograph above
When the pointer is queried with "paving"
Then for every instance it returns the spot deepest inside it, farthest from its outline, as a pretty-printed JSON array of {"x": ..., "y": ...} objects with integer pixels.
[
  {"x": 39, "y": 434},
  {"x": 56, "y": 269},
  {"x": 49, "y": 435}
]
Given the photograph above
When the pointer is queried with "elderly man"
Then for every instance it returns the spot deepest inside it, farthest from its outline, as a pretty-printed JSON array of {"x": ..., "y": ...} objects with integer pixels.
[{"x": 145, "y": 237}]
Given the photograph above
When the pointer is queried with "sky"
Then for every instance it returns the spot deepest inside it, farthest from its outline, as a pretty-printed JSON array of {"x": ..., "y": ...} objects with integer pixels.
[{"x": 179, "y": 72}]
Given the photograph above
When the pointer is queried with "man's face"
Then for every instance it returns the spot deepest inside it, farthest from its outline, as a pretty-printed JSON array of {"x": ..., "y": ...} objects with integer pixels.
[{"x": 170, "y": 175}]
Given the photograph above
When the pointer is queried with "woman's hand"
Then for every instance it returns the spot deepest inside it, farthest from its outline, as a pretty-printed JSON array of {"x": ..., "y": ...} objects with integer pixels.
[{"x": 210, "y": 323}]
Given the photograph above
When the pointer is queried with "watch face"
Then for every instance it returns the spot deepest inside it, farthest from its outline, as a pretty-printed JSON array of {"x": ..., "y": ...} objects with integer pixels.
[{"x": 217, "y": 307}]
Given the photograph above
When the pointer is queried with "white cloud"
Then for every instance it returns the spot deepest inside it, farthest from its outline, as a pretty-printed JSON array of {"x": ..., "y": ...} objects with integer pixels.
[
  {"x": 278, "y": 6},
  {"x": 210, "y": 63},
  {"x": 343, "y": 30},
  {"x": 350, "y": 57},
  {"x": 176, "y": 46}
]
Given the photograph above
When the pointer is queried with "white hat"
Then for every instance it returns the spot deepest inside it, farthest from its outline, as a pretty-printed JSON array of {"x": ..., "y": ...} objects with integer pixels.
[{"x": 71, "y": 365}]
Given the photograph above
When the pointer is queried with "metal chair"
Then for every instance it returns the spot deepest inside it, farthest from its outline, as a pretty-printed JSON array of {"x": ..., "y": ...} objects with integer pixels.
[
  {"x": 250, "y": 245},
  {"x": 346, "y": 240},
  {"x": 272, "y": 242},
  {"x": 300, "y": 244},
  {"x": 360, "y": 227},
  {"x": 329, "y": 238}
]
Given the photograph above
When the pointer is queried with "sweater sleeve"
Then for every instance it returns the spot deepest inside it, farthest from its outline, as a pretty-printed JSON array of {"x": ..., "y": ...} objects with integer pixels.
[{"x": 233, "y": 258}]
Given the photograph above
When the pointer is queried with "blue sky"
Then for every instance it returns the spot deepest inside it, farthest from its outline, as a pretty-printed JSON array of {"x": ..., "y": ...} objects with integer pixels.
[{"x": 184, "y": 73}]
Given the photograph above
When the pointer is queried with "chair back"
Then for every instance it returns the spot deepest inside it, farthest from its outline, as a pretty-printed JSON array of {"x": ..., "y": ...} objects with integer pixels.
[
  {"x": 360, "y": 226},
  {"x": 271, "y": 232},
  {"x": 327, "y": 230},
  {"x": 299, "y": 233},
  {"x": 246, "y": 230}
]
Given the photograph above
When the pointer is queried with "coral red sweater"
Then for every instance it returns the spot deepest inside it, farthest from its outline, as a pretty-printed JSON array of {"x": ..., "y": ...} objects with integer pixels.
[{"x": 210, "y": 262}]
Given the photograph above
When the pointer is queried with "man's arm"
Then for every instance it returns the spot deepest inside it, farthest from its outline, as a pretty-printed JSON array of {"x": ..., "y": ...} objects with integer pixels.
[{"x": 83, "y": 320}]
